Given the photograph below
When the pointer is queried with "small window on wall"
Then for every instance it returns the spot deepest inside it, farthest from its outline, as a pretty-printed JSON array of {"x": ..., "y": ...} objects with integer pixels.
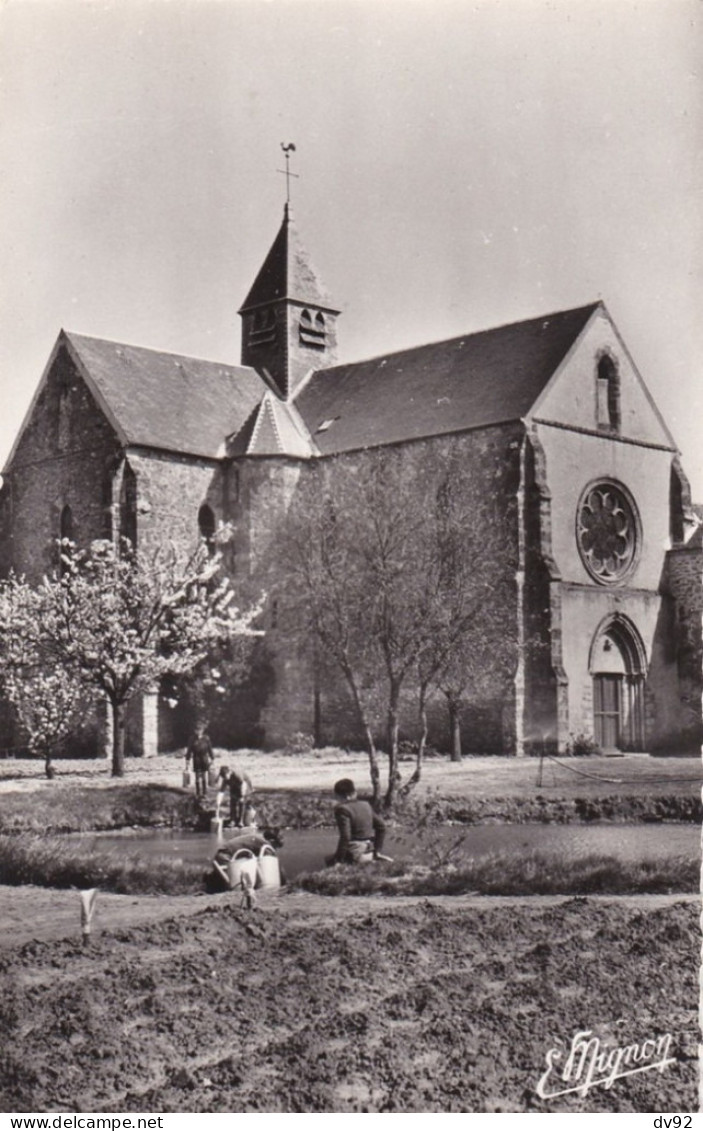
[
  {"x": 67, "y": 528},
  {"x": 67, "y": 533},
  {"x": 128, "y": 507},
  {"x": 676, "y": 515},
  {"x": 262, "y": 328},
  {"x": 64, "y": 416},
  {"x": 106, "y": 500},
  {"x": 608, "y": 394},
  {"x": 234, "y": 484},
  {"x": 206, "y": 526}
]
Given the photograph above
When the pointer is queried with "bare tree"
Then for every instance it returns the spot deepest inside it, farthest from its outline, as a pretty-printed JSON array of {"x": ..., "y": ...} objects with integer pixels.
[
  {"x": 327, "y": 582},
  {"x": 470, "y": 647},
  {"x": 395, "y": 567}
]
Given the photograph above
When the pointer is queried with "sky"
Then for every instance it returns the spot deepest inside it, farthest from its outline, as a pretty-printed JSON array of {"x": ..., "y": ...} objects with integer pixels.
[{"x": 459, "y": 165}]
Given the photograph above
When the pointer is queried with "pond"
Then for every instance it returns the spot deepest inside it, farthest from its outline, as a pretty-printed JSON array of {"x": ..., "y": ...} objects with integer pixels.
[{"x": 305, "y": 849}]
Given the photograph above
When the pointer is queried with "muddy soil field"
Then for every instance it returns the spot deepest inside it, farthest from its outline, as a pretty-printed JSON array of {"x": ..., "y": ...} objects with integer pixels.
[{"x": 362, "y": 1006}]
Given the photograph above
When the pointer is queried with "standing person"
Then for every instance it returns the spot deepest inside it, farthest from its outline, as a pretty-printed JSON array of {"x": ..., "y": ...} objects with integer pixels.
[
  {"x": 361, "y": 830},
  {"x": 239, "y": 789},
  {"x": 200, "y": 750}
]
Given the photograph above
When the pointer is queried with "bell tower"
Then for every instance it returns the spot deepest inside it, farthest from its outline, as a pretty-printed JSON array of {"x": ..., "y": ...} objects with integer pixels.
[{"x": 289, "y": 326}]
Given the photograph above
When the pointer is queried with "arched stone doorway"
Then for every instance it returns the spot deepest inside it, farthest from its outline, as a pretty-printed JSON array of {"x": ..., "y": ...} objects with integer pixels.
[{"x": 618, "y": 666}]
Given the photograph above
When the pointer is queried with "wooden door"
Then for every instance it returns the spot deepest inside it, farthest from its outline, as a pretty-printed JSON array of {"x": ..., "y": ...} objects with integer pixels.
[{"x": 607, "y": 710}]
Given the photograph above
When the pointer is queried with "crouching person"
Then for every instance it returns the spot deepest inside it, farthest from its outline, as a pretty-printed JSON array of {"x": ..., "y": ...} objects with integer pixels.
[{"x": 361, "y": 830}]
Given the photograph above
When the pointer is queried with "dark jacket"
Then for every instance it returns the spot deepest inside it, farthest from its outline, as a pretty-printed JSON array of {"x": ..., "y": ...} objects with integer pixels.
[
  {"x": 356, "y": 820},
  {"x": 239, "y": 785},
  {"x": 200, "y": 750}
]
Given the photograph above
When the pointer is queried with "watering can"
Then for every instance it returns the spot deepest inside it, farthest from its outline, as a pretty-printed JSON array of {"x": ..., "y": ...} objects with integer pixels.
[
  {"x": 243, "y": 863},
  {"x": 268, "y": 869}
]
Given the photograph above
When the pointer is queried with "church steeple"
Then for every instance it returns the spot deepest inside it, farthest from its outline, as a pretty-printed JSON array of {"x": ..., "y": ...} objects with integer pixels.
[{"x": 288, "y": 322}]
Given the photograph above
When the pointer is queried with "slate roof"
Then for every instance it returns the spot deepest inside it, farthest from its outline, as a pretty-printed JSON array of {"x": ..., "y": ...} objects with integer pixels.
[
  {"x": 202, "y": 408},
  {"x": 287, "y": 273},
  {"x": 164, "y": 400},
  {"x": 477, "y": 380},
  {"x": 695, "y": 542},
  {"x": 273, "y": 429}
]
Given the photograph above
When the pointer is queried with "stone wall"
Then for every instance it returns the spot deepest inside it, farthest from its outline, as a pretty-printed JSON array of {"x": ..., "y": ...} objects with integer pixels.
[
  {"x": 565, "y": 461},
  {"x": 69, "y": 456},
  {"x": 683, "y": 585},
  {"x": 170, "y": 491},
  {"x": 300, "y": 700},
  {"x": 66, "y": 456},
  {"x": 544, "y": 704},
  {"x": 585, "y": 610},
  {"x": 63, "y": 464}
]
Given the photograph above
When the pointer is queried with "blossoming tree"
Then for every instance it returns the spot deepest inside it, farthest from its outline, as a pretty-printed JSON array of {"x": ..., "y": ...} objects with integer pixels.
[{"x": 115, "y": 622}]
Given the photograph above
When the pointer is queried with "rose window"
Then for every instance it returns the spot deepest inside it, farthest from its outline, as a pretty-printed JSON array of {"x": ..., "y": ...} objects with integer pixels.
[{"x": 606, "y": 530}]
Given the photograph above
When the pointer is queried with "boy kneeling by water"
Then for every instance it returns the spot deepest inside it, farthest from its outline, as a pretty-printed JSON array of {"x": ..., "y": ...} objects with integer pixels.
[{"x": 361, "y": 830}]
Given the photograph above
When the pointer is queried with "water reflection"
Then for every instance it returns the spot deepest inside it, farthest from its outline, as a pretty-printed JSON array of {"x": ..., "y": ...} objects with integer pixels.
[{"x": 305, "y": 849}]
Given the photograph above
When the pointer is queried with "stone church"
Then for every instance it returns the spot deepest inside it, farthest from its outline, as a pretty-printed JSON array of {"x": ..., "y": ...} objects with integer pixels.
[{"x": 606, "y": 554}]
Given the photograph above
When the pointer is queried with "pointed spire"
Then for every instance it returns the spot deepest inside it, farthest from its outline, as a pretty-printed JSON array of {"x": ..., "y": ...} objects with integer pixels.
[
  {"x": 287, "y": 273},
  {"x": 288, "y": 321}
]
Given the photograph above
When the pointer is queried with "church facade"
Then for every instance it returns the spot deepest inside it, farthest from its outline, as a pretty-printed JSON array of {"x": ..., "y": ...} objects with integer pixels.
[{"x": 550, "y": 416}]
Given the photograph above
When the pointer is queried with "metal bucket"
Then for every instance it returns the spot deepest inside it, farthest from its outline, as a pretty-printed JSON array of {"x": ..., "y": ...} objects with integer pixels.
[{"x": 186, "y": 779}]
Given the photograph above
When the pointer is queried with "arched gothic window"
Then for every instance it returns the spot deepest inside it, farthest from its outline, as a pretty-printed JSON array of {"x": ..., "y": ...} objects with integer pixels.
[
  {"x": 66, "y": 525},
  {"x": 206, "y": 526},
  {"x": 128, "y": 507},
  {"x": 607, "y": 394}
]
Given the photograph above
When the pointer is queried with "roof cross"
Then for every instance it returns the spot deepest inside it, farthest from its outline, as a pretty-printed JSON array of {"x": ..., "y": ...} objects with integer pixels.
[{"x": 287, "y": 150}]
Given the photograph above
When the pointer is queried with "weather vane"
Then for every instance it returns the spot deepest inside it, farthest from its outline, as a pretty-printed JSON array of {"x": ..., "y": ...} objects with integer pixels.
[{"x": 287, "y": 150}]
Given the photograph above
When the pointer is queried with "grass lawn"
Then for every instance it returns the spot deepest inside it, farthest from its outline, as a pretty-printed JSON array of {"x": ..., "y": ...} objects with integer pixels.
[{"x": 474, "y": 777}]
